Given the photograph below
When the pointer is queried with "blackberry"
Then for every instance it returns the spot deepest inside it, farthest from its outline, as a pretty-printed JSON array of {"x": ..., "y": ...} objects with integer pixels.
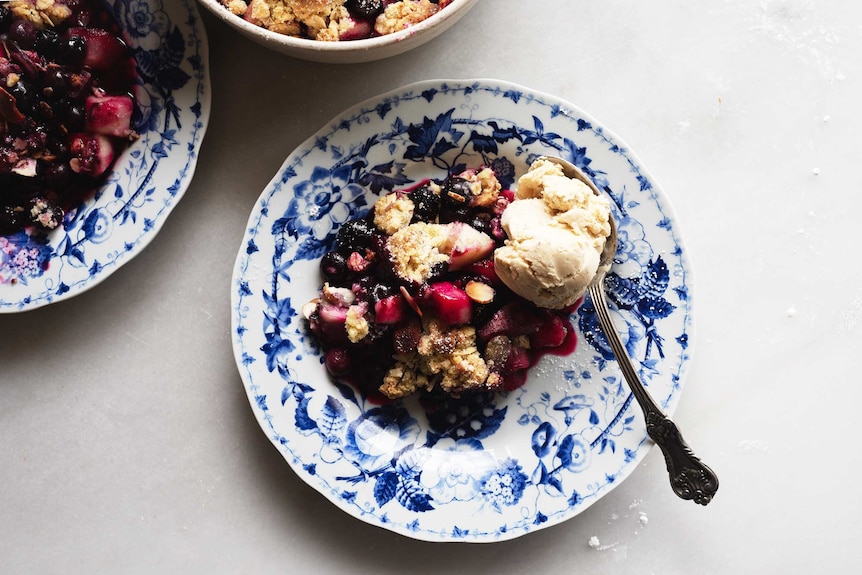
[
  {"x": 48, "y": 42},
  {"x": 354, "y": 235},
  {"x": 364, "y": 8},
  {"x": 426, "y": 204}
]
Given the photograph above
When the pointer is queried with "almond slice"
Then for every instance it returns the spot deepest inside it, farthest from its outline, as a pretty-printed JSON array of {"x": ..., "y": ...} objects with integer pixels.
[
  {"x": 410, "y": 301},
  {"x": 479, "y": 292},
  {"x": 309, "y": 308}
]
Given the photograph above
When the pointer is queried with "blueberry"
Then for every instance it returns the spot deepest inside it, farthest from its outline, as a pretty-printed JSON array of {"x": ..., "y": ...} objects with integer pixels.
[
  {"x": 75, "y": 118},
  {"x": 55, "y": 78},
  {"x": 364, "y": 8},
  {"x": 72, "y": 51},
  {"x": 23, "y": 33},
  {"x": 25, "y": 96},
  {"x": 456, "y": 191},
  {"x": 57, "y": 174},
  {"x": 337, "y": 362},
  {"x": 333, "y": 266},
  {"x": 426, "y": 204},
  {"x": 482, "y": 222}
]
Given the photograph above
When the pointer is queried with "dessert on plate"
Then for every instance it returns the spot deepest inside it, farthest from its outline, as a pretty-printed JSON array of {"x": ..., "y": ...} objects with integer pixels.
[{"x": 458, "y": 286}]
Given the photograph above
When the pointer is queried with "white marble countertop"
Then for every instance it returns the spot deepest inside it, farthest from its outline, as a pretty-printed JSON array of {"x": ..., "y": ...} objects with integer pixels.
[{"x": 128, "y": 445}]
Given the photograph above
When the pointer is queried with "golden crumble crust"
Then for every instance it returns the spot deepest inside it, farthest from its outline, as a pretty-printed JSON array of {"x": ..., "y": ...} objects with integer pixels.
[
  {"x": 393, "y": 212},
  {"x": 452, "y": 354},
  {"x": 415, "y": 250},
  {"x": 446, "y": 357},
  {"x": 405, "y": 377},
  {"x": 485, "y": 187},
  {"x": 400, "y": 15},
  {"x": 41, "y": 13},
  {"x": 315, "y": 19},
  {"x": 356, "y": 324},
  {"x": 323, "y": 20}
]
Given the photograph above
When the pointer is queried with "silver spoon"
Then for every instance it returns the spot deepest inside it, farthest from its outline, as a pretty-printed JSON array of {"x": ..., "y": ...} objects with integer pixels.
[{"x": 690, "y": 478}]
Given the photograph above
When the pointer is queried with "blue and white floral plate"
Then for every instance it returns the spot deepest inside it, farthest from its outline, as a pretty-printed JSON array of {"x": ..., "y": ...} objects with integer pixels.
[
  {"x": 488, "y": 467},
  {"x": 173, "y": 97}
]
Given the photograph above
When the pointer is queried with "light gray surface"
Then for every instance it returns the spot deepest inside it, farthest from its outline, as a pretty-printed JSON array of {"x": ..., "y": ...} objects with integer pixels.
[{"x": 128, "y": 445}]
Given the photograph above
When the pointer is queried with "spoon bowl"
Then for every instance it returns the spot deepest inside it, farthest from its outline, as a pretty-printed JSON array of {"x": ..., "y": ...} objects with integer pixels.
[{"x": 690, "y": 478}]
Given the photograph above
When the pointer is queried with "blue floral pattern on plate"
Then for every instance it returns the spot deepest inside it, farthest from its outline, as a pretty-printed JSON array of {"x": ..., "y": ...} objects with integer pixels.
[
  {"x": 169, "y": 45},
  {"x": 484, "y": 467}
]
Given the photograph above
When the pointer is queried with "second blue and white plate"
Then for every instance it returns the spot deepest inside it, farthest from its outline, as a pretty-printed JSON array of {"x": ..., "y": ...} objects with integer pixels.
[{"x": 169, "y": 45}]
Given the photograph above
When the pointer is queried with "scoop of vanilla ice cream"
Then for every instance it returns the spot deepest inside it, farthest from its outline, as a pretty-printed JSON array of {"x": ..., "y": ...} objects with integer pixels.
[{"x": 556, "y": 231}]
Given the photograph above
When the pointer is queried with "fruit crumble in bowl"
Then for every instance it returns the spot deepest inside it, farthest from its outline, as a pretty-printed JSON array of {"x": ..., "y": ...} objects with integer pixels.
[
  {"x": 340, "y": 31},
  {"x": 103, "y": 106},
  {"x": 388, "y": 354}
]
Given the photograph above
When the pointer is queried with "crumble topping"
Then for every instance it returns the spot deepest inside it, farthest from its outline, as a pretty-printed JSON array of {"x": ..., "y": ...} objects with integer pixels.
[
  {"x": 400, "y": 15},
  {"x": 415, "y": 250},
  {"x": 405, "y": 377},
  {"x": 447, "y": 356},
  {"x": 485, "y": 187},
  {"x": 451, "y": 352},
  {"x": 41, "y": 13},
  {"x": 393, "y": 212},
  {"x": 356, "y": 323},
  {"x": 329, "y": 20}
]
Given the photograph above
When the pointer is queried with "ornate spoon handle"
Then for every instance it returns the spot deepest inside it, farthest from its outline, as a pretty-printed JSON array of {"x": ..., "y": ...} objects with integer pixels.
[{"x": 690, "y": 478}]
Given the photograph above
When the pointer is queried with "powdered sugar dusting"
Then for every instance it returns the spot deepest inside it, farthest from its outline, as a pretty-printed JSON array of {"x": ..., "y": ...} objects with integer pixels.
[
  {"x": 852, "y": 314},
  {"x": 753, "y": 445},
  {"x": 594, "y": 543}
]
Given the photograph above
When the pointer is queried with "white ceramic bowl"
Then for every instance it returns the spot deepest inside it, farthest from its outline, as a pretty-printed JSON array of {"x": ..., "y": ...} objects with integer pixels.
[{"x": 348, "y": 52}]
